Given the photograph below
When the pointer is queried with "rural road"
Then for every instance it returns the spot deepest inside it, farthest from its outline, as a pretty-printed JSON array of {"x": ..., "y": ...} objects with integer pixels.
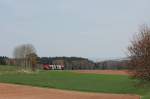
[{"x": 11, "y": 91}]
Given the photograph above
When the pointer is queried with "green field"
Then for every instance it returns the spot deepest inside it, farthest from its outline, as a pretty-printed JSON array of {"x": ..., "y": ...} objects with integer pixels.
[{"x": 74, "y": 81}]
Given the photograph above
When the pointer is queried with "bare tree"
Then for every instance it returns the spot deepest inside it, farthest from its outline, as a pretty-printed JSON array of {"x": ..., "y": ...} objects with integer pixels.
[
  {"x": 32, "y": 59},
  {"x": 139, "y": 52},
  {"x": 22, "y": 53}
]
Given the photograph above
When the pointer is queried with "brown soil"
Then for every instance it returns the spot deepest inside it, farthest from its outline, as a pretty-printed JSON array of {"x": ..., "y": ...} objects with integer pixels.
[
  {"x": 114, "y": 72},
  {"x": 10, "y": 91}
]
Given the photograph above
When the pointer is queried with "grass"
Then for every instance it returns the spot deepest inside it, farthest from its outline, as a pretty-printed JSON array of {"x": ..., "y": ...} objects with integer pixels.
[
  {"x": 7, "y": 69},
  {"x": 74, "y": 81}
]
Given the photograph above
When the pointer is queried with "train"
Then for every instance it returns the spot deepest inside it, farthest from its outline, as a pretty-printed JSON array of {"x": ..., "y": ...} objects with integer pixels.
[{"x": 53, "y": 67}]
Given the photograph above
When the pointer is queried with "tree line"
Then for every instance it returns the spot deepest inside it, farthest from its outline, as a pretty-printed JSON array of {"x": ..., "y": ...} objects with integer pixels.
[
  {"x": 3, "y": 60},
  {"x": 71, "y": 63}
]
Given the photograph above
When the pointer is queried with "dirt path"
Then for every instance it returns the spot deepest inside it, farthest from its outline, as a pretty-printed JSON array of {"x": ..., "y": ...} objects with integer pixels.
[
  {"x": 115, "y": 72},
  {"x": 10, "y": 91}
]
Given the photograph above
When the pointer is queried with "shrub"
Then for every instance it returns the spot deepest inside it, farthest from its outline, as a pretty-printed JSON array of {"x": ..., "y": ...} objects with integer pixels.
[{"x": 139, "y": 53}]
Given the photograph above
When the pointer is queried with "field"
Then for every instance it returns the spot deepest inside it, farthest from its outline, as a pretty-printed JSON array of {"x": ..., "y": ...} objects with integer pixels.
[
  {"x": 10, "y": 91},
  {"x": 68, "y": 80},
  {"x": 114, "y": 72}
]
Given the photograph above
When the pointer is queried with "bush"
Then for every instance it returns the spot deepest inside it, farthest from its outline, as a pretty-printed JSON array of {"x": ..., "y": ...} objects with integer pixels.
[{"x": 139, "y": 53}]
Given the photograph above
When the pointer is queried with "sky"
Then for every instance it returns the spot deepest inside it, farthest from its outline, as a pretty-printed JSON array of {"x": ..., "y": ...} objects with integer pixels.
[{"x": 82, "y": 28}]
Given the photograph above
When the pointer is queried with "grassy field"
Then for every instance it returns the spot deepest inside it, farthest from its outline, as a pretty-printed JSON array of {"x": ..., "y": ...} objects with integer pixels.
[{"x": 75, "y": 81}]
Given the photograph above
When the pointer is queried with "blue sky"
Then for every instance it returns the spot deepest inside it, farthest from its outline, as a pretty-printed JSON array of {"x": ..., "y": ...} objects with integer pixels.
[{"x": 86, "y": 28}]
